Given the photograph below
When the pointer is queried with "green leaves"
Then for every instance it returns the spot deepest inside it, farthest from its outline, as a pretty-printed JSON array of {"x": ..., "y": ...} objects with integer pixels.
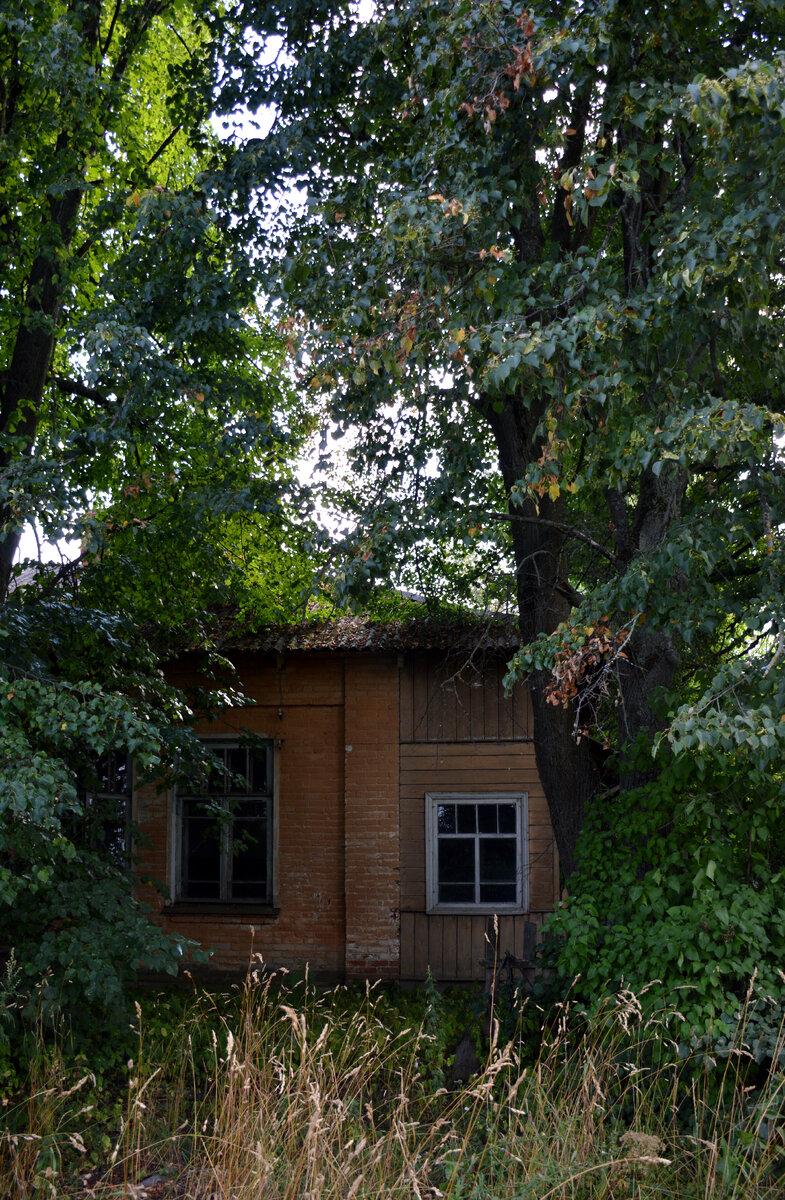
[
  {"x": 146, "y": 413},
  {"x": 592, "y": 202},
  {"x": 701, "y": 919}
]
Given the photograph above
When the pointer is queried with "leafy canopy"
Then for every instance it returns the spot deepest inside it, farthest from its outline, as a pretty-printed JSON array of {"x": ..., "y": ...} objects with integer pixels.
[
  {"x": 146, "y": 412},
  {"x": 554, "y": 237}
]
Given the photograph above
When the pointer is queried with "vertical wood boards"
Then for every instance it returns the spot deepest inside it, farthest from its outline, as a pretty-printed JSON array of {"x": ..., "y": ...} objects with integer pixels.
[{"x": 460, "y": 733}]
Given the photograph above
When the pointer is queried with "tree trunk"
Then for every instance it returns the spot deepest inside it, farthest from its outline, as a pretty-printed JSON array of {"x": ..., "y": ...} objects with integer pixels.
[
  {"x": 24, "y": 380},
  {"x": 20, "y": 406},
  {"x": 569, "y": 766}
]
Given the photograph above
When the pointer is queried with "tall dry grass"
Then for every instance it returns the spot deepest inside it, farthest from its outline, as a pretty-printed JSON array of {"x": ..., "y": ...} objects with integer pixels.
[{"x": 314, "y": 1100}]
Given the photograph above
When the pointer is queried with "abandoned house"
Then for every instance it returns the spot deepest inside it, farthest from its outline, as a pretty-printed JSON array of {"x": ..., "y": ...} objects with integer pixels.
[{"x": 388, "y": 807}]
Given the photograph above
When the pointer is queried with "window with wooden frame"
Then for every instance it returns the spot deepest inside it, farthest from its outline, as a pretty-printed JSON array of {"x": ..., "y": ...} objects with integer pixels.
[
  {"x": 477, "y": 852},
  {"x": 224, "y": 828},
  {"x": 103, "y": 820}
]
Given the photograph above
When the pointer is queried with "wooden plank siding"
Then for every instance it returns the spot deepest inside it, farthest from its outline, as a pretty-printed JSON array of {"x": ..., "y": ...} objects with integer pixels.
[
  {"x": 511, "y": 768},
  {"x": 455, "y": 699},
  {"x": 451, "y": 718},
  {"x": 454, "y": 947}
]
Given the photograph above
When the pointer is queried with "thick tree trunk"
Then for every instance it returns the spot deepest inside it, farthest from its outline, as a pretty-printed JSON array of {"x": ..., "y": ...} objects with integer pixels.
[
  {"x": 569, "y": 766},
  {"x": 25, "y": 380},
  {"x": 651, "y": 656}
]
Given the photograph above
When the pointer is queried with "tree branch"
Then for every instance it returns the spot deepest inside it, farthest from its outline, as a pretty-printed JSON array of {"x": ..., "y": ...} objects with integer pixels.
[
  {"x": 73, "y": 387},
  {"x": 567, "y": 530},
  {"x": 574, "y": 139},
  {"x": 112, "y": 23},
  {"x": 149, "y": 11},
  {"x": 166, "y": 142}
]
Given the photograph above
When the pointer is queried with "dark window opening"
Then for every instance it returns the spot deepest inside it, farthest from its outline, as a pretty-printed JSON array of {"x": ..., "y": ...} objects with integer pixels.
[
  {"x": 226, "y": 828},
  {"x": 477, "y": 851}
]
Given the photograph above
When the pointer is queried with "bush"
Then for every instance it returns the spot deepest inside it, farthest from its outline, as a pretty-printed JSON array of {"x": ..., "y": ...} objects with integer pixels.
[{"x": 681, "y": 882}]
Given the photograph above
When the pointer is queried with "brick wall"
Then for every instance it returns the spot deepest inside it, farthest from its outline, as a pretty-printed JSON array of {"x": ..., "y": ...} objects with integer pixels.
[
  {"x": 336, "y": 892},
  {"x": 371, "y": 817},
  {"x": 299, "y": 704}
]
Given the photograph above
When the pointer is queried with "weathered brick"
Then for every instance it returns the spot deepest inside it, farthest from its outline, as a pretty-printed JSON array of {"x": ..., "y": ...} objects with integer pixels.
[{"x": 335, "y": 722}]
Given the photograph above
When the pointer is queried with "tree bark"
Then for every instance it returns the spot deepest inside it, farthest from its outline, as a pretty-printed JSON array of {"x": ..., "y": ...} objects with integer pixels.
[
  {"x": 24, "y": 381},
  {"x": 570, "y": 768},
  {"x": 22, "y": 395}
]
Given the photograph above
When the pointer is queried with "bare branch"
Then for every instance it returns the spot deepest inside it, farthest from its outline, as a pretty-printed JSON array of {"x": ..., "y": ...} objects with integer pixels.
[
  {"x": 110, "y": 31},
  {"x": 166, "y": 142},
  {"x": 567, "y": 530}
]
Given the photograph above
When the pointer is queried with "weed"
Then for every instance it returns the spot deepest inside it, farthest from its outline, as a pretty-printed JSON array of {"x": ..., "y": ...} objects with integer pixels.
[{"x": 293, "y": 1094}]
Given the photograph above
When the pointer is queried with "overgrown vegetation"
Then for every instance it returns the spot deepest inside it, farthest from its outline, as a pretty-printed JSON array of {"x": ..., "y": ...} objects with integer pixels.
[
  {"x": 681, "y": 881},
  {"x": 283, "y": 1092},
  {"x": 145, "y": 415}
]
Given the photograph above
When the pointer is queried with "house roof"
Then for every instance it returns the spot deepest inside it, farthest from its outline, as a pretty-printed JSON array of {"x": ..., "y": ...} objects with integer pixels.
[{"x": 352, "y": 633}]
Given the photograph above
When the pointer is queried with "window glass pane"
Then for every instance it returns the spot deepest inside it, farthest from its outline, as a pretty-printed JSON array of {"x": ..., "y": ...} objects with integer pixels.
[
  {"x": 249, "y": 859},
  {"x": 507, "y": 818},
  {"x": 249, "y": 848},
  {"x": 107, "y": 775},
  {"x": 258, "y": 773},
  {"x": 112, "y": 774},
  {"x": 486, "y": 818},
  {"x": 497, "y": 893},
  {"x": 456, "y": 860},
  {"x": 446, "y": 818},
  {"x": 237, "y": 767},
  {"x": 456, "y": 893},
  {"x": 497, "y": 860},
  {"x": 202, "y": 858},
  {"x": 467, "y": 818},
  {"x": 113, "y": 834},
  {"x": 247, "y": 809}
]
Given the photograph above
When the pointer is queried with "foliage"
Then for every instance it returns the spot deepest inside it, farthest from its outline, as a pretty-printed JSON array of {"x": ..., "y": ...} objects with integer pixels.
[
  {"x": 553, "y": 239},
  {"x": 290, "y": 1091},
  {"x": 145, "y": 413},
  {"x": 681, "y": 882},
  {"x": 538, "y": 267}
]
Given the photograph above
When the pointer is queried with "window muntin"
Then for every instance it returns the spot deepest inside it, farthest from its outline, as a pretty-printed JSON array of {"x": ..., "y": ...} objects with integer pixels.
[
  {"x": 104, "y": 791},
  {"x": 226, "y": 835},
  {"x": 477, "y": 852}
]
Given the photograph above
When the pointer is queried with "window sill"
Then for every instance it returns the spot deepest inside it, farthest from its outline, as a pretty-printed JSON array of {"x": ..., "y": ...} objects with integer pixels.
[
  {"x": 477, "y": 910},
  {"x": 222, "y": 908}
]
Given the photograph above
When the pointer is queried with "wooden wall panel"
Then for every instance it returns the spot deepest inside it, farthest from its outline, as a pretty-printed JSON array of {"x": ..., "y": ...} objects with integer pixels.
[
  {"x": 471, "y": 767},
  {"x": 452, "y": 945},
  {"x": 456, "y": 948},
  {"x": 457, "y": 700}
]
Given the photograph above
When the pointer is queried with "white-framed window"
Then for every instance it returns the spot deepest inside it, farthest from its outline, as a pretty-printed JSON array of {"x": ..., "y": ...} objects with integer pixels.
[
  {"x": 477, "y": 852},
  {"x": 224, "y": 829}
]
